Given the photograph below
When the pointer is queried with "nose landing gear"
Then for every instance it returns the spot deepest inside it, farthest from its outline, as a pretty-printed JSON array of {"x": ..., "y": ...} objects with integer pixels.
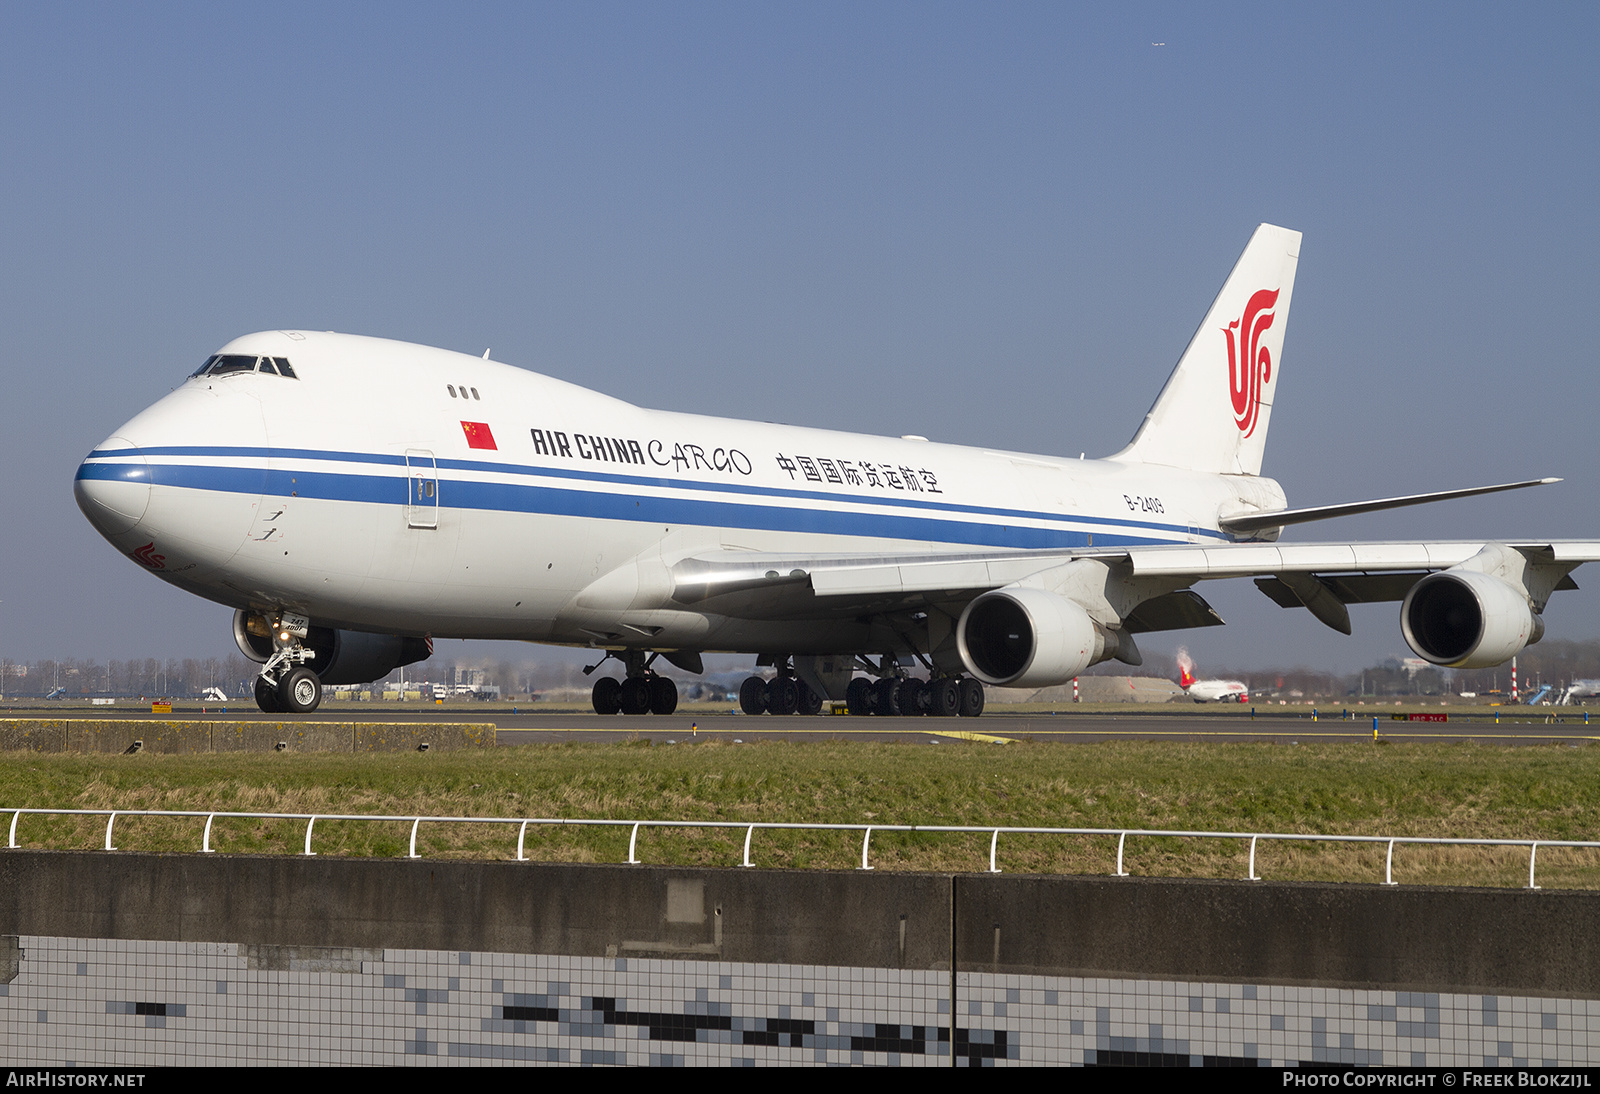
[
  {"x": 296, "y": 690},
  {"x": 285, "y": 685}
]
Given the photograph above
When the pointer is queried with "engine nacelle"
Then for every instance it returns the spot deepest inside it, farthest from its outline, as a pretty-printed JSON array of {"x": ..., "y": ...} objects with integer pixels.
[
  {"x": 341, "y": 657},
  {"x": 1027, "y": 638},
  {"x": 1464, "y": 619},
  {"x": 253, "y": 636}
]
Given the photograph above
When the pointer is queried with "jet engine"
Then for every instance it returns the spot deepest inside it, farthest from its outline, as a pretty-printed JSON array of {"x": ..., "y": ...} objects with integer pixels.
[
  {"x": 1027, "y": 638},
  {"x": 1464, "y": 619},
  {"x": 341, "y": 657}
]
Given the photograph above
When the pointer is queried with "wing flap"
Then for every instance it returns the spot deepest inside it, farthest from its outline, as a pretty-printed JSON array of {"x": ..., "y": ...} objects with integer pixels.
[
  {"x": 1346, "y": 588},
  {"x": 911, "y": 577},
  {"x": 1172, "y": 612}
]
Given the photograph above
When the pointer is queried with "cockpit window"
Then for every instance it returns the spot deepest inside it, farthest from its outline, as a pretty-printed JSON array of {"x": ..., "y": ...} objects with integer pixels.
[
  {"x": 221, "y": 363},
  {"x": 231, "y": 362}
]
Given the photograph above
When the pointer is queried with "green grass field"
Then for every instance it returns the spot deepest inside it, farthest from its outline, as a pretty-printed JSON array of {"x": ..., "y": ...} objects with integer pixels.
[{"x": 1545, "y": 792}]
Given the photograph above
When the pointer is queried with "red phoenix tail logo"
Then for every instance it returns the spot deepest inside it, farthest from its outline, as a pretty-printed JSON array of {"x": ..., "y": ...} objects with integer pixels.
[
  {"x": 147, "y": 556},
  {"x": 1249, "y": 363}
]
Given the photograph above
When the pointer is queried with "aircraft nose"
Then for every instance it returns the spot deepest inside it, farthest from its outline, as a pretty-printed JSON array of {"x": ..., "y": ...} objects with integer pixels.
[{"x": 113, "y": 486}]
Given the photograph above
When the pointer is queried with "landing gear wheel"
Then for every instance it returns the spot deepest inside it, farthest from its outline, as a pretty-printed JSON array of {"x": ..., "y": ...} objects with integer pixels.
[
  {"x": 858, "y": 696},
  {"x": 267, "y": 697},
  {"x": 300, "y": 691},
  {"x": 753, "y": 695},
  {"x": 886, "y": 697},
  {"x": 607, "y": 695},
  {"x": 783, "y": 696},
  {"x": 636, "y": 695},
  {"x": 971, "y": 698},
  {"x": 944, "y": 697},
  {"x": 663, "y": 695},
  {"x": 810, "y": 701},
  {"x": 911, "y": 696}
]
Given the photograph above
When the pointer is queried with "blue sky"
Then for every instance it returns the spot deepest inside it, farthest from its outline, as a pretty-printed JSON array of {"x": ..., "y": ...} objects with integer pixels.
[{"x": 988, "y": 224}]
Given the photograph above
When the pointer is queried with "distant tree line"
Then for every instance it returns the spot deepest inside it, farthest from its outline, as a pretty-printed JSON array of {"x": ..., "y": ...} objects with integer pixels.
[
  {"x": 150, "y": 676},
  {"x": 1555, "y": 661}
]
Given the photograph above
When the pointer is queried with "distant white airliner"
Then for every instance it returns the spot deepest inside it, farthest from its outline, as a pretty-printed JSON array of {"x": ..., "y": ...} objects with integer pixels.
[
  {"x": 1208, "y": 691},
  {"x": 355, "y": 498}
]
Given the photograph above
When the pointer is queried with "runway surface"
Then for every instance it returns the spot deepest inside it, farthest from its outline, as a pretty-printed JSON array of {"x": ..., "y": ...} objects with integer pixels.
[
  {"x": 1520, "y": 726},
  {"x": 1002, "y": 728}
]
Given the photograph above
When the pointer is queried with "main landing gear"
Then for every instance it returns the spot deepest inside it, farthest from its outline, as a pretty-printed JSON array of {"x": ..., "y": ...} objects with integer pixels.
[
  {"x": 650, "y": 694},
  {"x": 944, "y": 696},
  {"x": 641, "y": 692},
  {"x": 780, "y": 695},
  {"x": 940, "y": 697}
]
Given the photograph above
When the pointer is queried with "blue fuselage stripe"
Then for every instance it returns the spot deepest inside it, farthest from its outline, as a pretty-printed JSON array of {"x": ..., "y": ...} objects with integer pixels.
[{"x": 645, "y": 505}]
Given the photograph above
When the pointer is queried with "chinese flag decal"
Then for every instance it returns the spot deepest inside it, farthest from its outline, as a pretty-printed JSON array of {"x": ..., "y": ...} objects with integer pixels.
[{"x": 478, "y": 435}]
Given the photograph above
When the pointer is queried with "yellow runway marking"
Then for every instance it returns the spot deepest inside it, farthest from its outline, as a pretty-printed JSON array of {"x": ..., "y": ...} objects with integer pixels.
[
  {"x": 741, "y": 731},
  {"x": 1035, "y": 731},
  {"x": 967, "y": 735},
  {"x": 1367, "y": 735}
]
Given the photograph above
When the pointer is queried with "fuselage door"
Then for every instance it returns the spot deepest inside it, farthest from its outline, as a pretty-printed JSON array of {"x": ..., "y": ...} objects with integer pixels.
[{"x": 422, "y": 489}]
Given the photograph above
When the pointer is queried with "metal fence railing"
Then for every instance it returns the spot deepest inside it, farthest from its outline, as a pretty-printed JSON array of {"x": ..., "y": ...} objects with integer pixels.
[{"x": 751, "y": 828}]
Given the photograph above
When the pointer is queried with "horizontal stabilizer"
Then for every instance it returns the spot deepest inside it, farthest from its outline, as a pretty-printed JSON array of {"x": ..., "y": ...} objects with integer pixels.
[{"x": 1255, "y": 522}]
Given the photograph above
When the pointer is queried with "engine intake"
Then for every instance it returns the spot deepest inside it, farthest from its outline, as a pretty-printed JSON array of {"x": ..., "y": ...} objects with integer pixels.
[
  {"x": 1463, "y": 619},
  {"x": 1027, "y": 638}
]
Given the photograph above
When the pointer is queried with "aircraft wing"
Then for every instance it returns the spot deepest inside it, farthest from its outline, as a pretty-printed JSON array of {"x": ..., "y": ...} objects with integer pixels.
[{"x": 1322, "y": 577}]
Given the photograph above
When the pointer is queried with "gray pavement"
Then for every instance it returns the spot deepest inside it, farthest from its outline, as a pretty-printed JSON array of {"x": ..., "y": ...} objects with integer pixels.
[{"x": 999, "y": 728}]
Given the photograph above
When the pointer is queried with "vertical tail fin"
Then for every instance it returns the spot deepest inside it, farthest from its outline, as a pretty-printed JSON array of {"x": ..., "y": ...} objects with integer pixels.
[
  {"x": 1185, "y": 668},
  {"x": 1212, "y": 414}
]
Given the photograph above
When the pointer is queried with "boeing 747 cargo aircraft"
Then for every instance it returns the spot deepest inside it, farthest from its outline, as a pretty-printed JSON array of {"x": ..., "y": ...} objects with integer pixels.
[{"x": 354, "y": 498}]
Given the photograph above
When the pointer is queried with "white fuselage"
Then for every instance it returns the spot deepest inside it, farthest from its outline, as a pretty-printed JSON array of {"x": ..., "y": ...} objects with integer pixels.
[
  {"x": 395, "y": 488},
  {"x": 1218, "y": 691}
]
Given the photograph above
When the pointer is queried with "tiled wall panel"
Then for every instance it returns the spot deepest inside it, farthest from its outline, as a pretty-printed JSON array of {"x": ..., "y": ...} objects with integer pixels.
[{"x": 143, "y": 1003}]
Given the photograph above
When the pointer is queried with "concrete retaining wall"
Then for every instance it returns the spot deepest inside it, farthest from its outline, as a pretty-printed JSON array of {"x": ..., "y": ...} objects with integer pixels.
[
  {"x": 1407, "y": 939},
  {"x": 175, "y": 736}
]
